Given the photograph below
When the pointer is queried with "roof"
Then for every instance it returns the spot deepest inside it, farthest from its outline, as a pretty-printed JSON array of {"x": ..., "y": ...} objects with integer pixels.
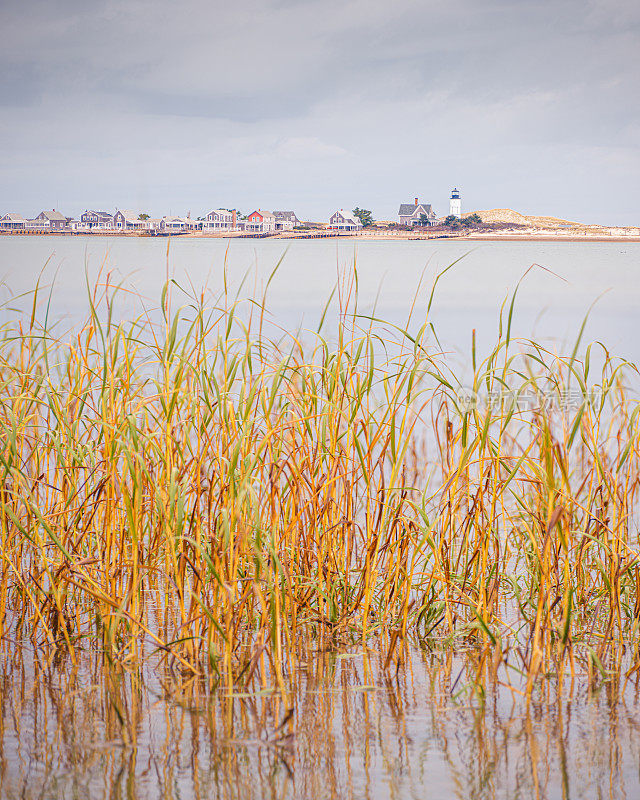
[
  {"x": 347, "y": 217},
  {"x": 102, "y": 214},
  {"x": 130, "y": 216},
  {"x": 263, "y": 214},
  {"x": 53, "y": 216},
  {"x": 13, "y": 216},
  {"x": 408, "y": 209},
  {"x": 284, "y": 214}
]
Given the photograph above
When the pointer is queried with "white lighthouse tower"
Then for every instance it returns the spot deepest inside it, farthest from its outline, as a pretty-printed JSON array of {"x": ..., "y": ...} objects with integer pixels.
[{"x": 455, "y": 207}]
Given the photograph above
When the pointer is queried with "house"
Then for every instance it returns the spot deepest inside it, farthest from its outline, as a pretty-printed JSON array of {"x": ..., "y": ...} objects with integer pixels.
[
  {"x": 344, "y": 221},
  {"x": 127, "y": 221},
  {"x": 97, "y": 219},
  {"x": 12, "y": 222},
  {"x": 37, "y": 224},
  {"x": 286, "y": 220},
  {"x": 173, "y": 224},
  {"x": 51, "y": 220},
  {"x": 416, "y": 214},
  {"x": 261, "y": 222},
  {"x": 220, "y": 220},
  {"x": 179, "y": 224}
]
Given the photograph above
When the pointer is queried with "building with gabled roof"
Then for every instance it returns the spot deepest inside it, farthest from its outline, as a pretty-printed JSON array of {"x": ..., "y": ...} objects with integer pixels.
[
  {"x": 97, "y": 219},
  {"x": 286, "y": 220},
  {"x": 12, "y": 221},
  {"x": 416, "y": 214},
  {"x": 344, "y": 221},
  {"x": 127, "y": 221},
  {"x": 261, "y": 222},
  {"x": 53, "y": 220},
  {"x": 220, "y": 219}
]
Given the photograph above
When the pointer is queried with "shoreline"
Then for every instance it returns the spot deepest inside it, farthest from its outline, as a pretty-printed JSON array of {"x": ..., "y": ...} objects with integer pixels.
[{"x": 546, "y": 236}]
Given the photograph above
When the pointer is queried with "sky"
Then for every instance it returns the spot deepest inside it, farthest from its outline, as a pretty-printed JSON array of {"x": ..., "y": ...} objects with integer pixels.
[{"x": 313, "y": 105}]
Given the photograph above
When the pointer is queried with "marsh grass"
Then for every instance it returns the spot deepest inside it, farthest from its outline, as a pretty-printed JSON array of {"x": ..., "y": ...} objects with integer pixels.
[{"x": 204, "y": 491}]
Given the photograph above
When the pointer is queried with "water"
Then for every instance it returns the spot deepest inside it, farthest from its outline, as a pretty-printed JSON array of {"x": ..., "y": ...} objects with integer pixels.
[
  {"x": 357, "y": 730},
  {"x": 550, "y": 307},
  {"x": 358, "y": 733}
]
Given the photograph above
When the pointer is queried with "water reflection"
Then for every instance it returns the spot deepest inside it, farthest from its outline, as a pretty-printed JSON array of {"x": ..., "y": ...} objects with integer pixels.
[{"x": 344, "y": 728}]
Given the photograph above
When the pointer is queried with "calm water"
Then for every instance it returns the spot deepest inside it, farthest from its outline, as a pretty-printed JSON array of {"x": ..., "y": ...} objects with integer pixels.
[
  {"x": 469, "y": 296},
  {"x": 358, "y": 731}
]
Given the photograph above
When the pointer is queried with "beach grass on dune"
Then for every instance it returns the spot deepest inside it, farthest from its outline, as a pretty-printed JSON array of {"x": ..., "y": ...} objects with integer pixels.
[{"x": 204, "y": 489}]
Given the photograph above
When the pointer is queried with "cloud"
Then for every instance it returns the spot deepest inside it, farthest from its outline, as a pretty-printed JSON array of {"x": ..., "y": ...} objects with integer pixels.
[{"x": 322, "y": 101}]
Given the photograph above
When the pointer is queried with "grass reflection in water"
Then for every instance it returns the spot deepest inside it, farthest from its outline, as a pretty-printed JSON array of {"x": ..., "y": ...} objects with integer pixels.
[{"x": 242, "y": 563}]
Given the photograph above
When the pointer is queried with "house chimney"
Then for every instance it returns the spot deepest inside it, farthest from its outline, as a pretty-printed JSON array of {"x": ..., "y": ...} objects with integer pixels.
[
  {"x": 234, "y": 215},
  {"x": 416, "y": 203}
]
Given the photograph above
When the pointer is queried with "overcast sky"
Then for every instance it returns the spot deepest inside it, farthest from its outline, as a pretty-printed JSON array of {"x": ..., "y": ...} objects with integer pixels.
[{"x": 313, "y": 105}]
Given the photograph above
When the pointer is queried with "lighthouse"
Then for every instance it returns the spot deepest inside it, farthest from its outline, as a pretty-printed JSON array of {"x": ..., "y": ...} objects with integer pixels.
[{"x": 455, "y": 209}]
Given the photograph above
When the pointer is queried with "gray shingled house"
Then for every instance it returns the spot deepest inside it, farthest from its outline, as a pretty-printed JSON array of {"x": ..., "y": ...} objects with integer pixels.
[
  {"x": 97, "y": 219},
  {"x": 127, "y": 221},
  {"x": 344, "y": 221},
  {"x": 53, "y": 220},
  {"x": 416, "y": 214},
  {"x": 286, "y": 220}
]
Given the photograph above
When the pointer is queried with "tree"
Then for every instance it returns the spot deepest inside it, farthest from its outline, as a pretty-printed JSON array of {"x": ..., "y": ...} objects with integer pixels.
[
  {"x": 455, "y": 223},
  {"x": 472, "y": 219},
  {"x": 424, "y": 220},
  {"x": 365, "y": 216},
  {"x": 143, "y": 216}
]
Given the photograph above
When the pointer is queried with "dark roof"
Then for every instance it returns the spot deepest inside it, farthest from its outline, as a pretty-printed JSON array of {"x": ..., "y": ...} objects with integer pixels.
[
  {"x": 284, "y": 214},
  {"x": 99, "y": 213},
  {"x": 407, "y": 209}
]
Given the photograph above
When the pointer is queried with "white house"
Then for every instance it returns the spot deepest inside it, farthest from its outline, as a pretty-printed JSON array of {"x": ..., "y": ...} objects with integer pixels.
[
  {"x": 261, "y": 222},
  {"x": 37, "y": 224},
  {"x": 12, "y": 222},
  {"x": 416, "y": 214},
  {"x": 344, "y": 221},
  {"x": 172, "y": 224}
]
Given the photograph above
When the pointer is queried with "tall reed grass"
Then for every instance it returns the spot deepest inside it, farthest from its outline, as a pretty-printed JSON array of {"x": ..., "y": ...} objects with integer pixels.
[{"x": 206, "y": 490}]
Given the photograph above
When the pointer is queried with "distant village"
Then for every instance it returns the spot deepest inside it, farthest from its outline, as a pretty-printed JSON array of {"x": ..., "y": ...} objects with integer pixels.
[
  {"x": 416, "y": 220},
  {"x": 220, "y": 220}
]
